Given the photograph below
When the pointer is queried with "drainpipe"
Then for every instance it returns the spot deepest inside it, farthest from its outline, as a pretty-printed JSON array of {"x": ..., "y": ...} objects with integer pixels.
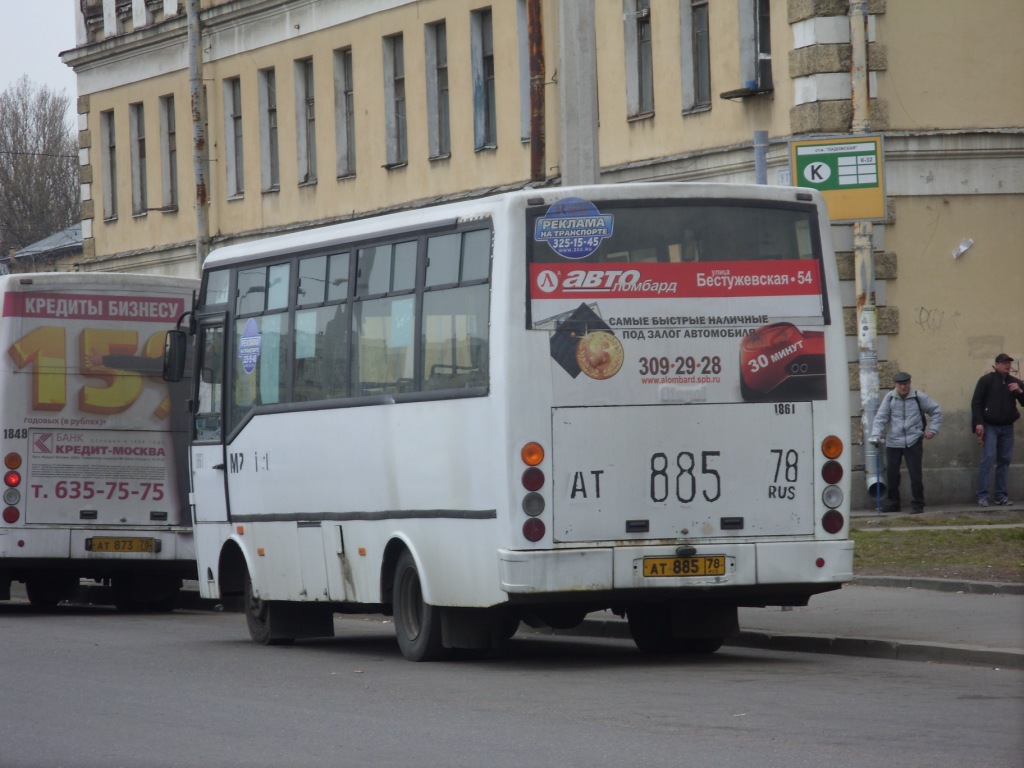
[
  {"x": 864, "y": 254},
  {"x": 537, "y": 138},
  {"x": 200, "y": 149},
  {"x": 761, "y": 157}
]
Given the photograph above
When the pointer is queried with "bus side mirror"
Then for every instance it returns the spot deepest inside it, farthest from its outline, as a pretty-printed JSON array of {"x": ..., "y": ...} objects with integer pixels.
[{"x": 175, "y": 349}]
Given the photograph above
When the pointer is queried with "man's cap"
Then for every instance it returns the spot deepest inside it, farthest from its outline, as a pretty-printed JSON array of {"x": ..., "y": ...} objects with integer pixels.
[
  {"x": 901, "y": 377},
  {"x": 1002, "y": 357}
]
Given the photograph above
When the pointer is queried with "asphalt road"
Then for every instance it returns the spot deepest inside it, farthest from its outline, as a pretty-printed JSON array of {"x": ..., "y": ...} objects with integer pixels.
[{"x": 90, "y": 688}]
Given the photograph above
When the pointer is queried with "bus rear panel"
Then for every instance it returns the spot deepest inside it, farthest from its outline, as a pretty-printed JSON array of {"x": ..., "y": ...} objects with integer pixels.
[{"x": 94, "y": 441}]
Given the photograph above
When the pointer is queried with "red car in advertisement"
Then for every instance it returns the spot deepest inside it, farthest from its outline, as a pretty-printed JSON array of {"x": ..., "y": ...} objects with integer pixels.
[{"x": 782, "y": 362}]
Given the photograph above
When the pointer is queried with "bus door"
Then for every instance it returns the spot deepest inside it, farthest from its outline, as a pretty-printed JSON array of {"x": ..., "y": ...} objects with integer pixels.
[{"x": 209, "y": 470}]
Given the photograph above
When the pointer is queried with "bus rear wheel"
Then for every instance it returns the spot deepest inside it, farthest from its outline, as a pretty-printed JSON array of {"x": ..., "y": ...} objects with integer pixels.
[
  {"x": 417, "y": 624},
  {"x": 257, "y": 618},
  {"x": 47, "y": 591},
  {"x": 651, "y": 628}
]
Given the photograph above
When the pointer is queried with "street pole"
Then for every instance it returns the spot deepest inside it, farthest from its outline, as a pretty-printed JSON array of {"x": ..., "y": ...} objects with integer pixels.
[
  {"x": 200, "y": 149},
  {"x": 864, "y": 251}
]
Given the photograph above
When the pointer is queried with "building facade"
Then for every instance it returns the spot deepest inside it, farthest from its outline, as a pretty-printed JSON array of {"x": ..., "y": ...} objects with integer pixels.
[{"x": 316, "y": 111}]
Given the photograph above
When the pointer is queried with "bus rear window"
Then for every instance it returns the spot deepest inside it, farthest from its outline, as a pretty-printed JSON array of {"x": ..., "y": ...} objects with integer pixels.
[{"x": 700, "y": 231}]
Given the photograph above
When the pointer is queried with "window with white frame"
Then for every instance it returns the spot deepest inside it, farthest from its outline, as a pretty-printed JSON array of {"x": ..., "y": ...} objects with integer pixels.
[
  {"x": 345, "y": 113},
  {"x": 438, "y": 126},
  {"x": 168, "y": 154},
  {"x": 394, "y": 99},
  {"x": 305, "y": 106},
  {"x": 234, "y": 147},
  {"x": 270, "y": 166},
  {"x": 756, "y": 45},
  {"x": 485, "y": 107},
  {"x": 636, "y": 15},
  {"x": 696, "y": 55},
  {"x": 137, "y": 131},
  {"x": 108, "y": 143}
]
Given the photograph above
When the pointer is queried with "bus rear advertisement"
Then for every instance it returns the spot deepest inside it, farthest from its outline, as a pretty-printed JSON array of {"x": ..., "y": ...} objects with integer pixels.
[
  {"x": 526, "y": 408},
  {"x": 94, "y": 441}
]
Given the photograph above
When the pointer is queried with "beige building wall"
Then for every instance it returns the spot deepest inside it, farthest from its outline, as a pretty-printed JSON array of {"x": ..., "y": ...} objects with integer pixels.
[{"x": 945, "y": 95}]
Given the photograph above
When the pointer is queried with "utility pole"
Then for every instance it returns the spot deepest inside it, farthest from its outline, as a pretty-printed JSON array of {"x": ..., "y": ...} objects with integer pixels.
[
  {"x": 864, "y": 253},
  {"x": 200, "y": 149}
]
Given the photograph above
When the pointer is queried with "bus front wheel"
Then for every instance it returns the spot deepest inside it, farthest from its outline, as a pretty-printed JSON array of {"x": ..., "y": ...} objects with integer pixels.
[{"x": 417, "y": 625}]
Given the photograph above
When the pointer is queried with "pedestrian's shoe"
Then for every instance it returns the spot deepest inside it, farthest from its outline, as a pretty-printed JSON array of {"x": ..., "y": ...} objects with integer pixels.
[
  {"x": 917, "y": 511},
  {"x": 890, "y": 507},
  {"x": 1004, "y": 503},
  {"x": 982, "y": 502}
]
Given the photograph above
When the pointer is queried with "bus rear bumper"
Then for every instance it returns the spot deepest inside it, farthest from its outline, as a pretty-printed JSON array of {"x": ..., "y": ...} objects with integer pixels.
[{"x": 824, "y": 563}]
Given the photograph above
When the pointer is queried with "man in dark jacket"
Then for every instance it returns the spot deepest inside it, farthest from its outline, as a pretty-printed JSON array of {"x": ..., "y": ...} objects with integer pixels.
[{"x": 993, "y": 411}]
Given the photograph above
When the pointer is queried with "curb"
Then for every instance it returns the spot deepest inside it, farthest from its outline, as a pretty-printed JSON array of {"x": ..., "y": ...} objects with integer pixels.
[
  {"x": 941, "y": 585},
  {"x": 841, "y": 646}
]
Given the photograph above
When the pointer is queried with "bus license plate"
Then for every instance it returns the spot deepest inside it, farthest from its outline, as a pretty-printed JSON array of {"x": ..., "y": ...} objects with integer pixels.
[
  {"x": 120, "y": 544},
  {"x": 704, "y": 565}
]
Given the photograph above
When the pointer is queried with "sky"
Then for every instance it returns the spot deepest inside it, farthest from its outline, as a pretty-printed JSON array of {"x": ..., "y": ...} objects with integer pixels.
[{"x": 32, "y": 35}]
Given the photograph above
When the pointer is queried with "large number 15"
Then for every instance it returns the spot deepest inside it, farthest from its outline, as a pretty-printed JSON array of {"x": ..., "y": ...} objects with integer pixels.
[{"x": 45, "y": 349}]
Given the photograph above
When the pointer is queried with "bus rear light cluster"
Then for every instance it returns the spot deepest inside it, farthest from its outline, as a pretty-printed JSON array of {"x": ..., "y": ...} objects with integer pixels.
[
  {"x": 533, "y": 480},
  {"x": 12, "y": 479},
  {"x": 832, "y": 472}
]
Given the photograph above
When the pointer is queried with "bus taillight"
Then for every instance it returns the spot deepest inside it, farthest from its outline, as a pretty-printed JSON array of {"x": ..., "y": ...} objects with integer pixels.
[
  {"x": 833, "y": 521},
  {"x": 832, "y": 472},
  {"x": 532, "y": 454},
  {"x": 12, "y": 461},
  {"x": 533, "y": 479},
  {"x": 533, "y": 529},
  {"x": 11, "y": 514},
  {"x": 12, "y": 478},
  {"x": 832, "y": 447}
]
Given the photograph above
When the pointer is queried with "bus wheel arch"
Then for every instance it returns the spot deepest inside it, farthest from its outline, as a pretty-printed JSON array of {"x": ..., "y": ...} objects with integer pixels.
[{"x": 232, "y": 571}]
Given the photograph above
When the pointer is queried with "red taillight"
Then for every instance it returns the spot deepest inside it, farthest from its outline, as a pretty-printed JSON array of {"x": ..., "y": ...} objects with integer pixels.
[
  {"x": 533, "y": 479},
  {"x": 11, "y": 514},
  {"x": 833, "y": 521},
  {"x": 533, "y": 529},
  {"x": 832, "y": 472},
  {"x": 12, "y": 478},
  {"x": 12, "y": 461}
]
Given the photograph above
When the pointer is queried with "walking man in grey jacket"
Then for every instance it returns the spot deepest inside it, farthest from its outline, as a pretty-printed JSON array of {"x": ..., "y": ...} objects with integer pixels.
[{"x": 901, "y": 419}]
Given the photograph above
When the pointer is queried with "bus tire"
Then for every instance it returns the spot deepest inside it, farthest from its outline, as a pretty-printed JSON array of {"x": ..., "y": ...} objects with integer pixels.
[
  {"x": 417, "y": 624},
  {"x": 650, "y": 624},
  {"x": 257, "y": 618},
  {"x": 49, "y": 590},
  {"x": 701, "y": 645}
]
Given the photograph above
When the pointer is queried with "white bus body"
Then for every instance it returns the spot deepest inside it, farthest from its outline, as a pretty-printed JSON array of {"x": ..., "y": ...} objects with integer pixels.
[
  {"x": 95, "y": 443},
  {"x": 529, "y": 407}
]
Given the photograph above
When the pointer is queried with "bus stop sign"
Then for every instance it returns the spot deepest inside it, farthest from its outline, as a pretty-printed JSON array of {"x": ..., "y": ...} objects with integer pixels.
[{"x": 847, "y": 171}]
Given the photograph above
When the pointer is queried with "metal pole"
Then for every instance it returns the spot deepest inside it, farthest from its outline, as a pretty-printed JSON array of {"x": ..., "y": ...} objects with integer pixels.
[
  {"x": 761, "y": 157},
  {"x": 200, "y": 150},
  {"x": 863, "y": 244}
]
